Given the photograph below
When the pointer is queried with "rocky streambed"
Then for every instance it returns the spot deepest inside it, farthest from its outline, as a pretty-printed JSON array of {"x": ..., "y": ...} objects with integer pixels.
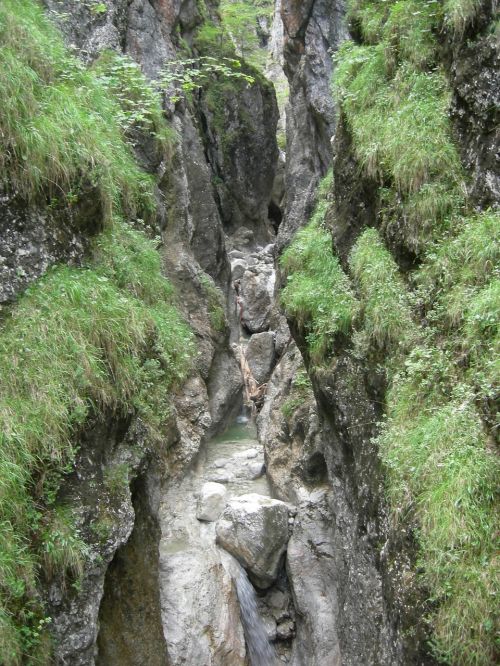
[
  {"x": 222, "y": 506},
  {"x": 223, "y": 588}
]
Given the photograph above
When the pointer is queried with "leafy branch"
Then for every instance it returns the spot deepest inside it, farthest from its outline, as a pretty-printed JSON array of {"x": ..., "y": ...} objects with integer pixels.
[{"x": 182, "y": 77}]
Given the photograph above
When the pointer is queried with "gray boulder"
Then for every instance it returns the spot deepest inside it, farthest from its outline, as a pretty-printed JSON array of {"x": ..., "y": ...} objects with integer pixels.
[
  {"x": 256, "y": 292},
  {"x": 260, "y": 355},
  {"x": 211, "y": 501},
  {"x": 254, "y": 529},
  {"x": 238, "y": 268}
]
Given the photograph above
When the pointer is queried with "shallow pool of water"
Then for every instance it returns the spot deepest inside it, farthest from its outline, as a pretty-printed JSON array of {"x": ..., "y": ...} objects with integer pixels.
[{"x": 225, "y": 455}]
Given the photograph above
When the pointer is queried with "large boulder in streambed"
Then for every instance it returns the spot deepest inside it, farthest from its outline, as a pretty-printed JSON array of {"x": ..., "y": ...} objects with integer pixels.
[
  {"x": 211, "y": 501},
  {"x": 254, "y": 529},
  {"x": 256, "y": 293},
  {"x": 259, "y": 355}
]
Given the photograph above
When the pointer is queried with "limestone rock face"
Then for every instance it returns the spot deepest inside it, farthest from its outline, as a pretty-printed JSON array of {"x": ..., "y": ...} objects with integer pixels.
[
  {"x": 260, "y": 355},
  {"x": 35, "y": 239},
  {"x": 256, "y": 292},
  {"x": 224, "y": 388},
  {"x": 342, "y": 616},
  {"x": 313, "y": 29},
  {"x": 200, "y": 611},
  {"x": 106, "y": 516},
  {"x": 211, "y": 501},
  {"x": 315, "y": 595},
  {"x": 254, "y": 529},
  {"x": 475, "y": 78},
  {"x": 241, "y": 129}
]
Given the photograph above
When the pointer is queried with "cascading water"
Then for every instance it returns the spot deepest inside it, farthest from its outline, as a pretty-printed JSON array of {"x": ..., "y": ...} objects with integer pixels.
[{"x": 260, "y": 650}]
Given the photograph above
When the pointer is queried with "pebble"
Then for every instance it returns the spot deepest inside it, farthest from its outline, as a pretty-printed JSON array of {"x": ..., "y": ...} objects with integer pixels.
[
  {"x": 285, "y": 629},
  {"x": 248, "y": 453}
]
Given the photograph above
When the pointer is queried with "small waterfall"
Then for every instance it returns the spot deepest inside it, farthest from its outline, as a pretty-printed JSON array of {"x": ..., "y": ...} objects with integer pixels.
[{"x": 260, "y": 650}]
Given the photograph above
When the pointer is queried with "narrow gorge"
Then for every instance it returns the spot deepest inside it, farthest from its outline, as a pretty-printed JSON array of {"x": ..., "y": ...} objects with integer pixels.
[{"x": 249, "y": 306}]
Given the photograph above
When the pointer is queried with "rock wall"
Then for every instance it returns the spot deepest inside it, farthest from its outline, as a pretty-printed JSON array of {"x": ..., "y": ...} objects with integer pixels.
[
  {"x": 221, "y": 201},
  {"x": 312, "y": 31},
  {"x": 342, "y": 617},
  {"x": 472, "y": 60}
]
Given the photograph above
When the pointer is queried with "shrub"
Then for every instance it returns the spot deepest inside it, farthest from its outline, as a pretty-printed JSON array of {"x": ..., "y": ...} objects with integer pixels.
[{"x": 140, "y": 102}]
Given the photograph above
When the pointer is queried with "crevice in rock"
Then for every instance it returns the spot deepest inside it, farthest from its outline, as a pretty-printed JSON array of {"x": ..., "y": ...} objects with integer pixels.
[
  {"x": 316, "y": 470},
  {"x": 275, "y": 215},
  {"x": 130, "y": 632}
]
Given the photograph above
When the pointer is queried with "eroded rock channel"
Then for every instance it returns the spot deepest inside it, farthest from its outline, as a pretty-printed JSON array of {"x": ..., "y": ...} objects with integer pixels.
[
  {"x": 216, "y": 544},
  {"x": 196, "y": 478}
]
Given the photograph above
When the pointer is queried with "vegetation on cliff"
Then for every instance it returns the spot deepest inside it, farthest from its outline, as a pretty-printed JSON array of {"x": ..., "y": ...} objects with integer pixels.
[
  {"x": 434, "y": 328},
  {"x": 242, "y": 22},
  {"x": 81, "y": 342},
  {"x": 317, "y": 293},
  {"x": 59, "y": 130}
]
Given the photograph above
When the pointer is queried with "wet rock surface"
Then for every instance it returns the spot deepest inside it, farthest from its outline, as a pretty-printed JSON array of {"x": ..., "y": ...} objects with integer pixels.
[
  {"x": 200, "y": 609},
  {"x": 254, "y": 529}
]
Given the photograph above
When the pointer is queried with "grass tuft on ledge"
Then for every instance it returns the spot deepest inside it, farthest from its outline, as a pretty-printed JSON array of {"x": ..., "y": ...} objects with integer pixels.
[
  {"x": 59, "y": 128},
  {"x": 442, "y": 471},
  {"x": 317, "y": 294},
  {"x": 395, "y": 99},
  {"x": 384, "y": 296}
]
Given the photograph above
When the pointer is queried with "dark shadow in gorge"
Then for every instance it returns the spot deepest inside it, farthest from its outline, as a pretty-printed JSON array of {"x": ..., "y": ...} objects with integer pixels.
[{"x": 131, "y": 632}]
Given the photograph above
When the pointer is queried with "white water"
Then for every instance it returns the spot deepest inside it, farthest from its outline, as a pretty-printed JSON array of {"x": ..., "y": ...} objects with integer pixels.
[{"x": 260, "y": 650}]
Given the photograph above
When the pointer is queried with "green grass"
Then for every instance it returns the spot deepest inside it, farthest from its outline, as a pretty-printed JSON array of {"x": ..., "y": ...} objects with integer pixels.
[
  {"x": 387, "y": 315},
  {"x": 59, "y": 133},
  {"x": 404, "y": 26},
  {"x": 101, "y": 340},
  {"x": 317, "y": 294},
  {"x": 81, "y": 341},
  {"x": 436, "y": 445},
  {"x": 458, "y": 287},
  {"x": 63, "y": 549},
  {"x": 460, "y": 13},
  {"x": 442, "y": 473},
  {"x": 395, "y": 100},
  {"x": 435, "y": 330},
  {"x": 116, "y": 479}
]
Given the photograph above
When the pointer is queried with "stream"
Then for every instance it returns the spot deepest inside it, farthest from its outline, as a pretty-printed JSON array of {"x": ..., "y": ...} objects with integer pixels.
[{"x": 204, "y": 591}]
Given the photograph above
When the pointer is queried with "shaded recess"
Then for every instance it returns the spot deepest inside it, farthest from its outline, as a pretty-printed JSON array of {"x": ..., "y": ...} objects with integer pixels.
[
  {"x": 316, "y": 470},
  {"x": 131, "y": 631},
  {"x": 275, "y": 215}
]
